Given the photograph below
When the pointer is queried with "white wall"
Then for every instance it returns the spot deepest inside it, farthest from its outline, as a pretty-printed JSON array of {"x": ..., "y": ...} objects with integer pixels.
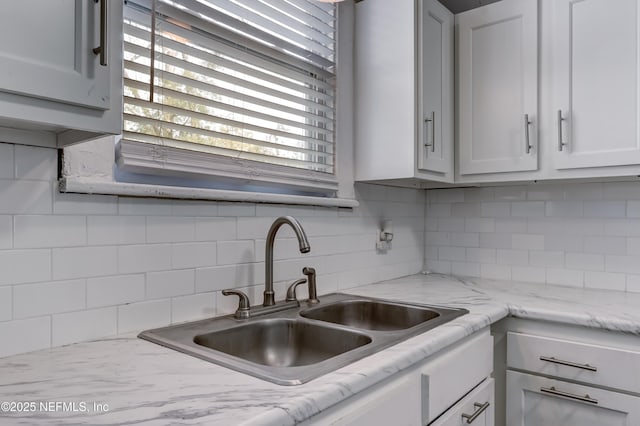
[
  {"x": 582, "y": 235},
  {"x": 77, "y": 267}
]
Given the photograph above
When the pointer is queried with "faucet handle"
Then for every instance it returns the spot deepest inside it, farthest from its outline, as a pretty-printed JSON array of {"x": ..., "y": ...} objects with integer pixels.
[
  {"x": 311, "y": 277},
  {"x": 291, "y": 291},
  {"x": 243, "y": 303}
]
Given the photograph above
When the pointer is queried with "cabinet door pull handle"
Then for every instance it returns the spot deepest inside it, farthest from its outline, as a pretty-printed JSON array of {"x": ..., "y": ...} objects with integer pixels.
[
  {"x": 479, "y": 410},
  {"x": 553, "y": 391},
  {"x": 431, "y": 120},
  {"x": 102, "y": 49},
  {"x": 527, "y": 123},
  {"x": 561, "y": 144},
  {"x": 568, "y": 363}
]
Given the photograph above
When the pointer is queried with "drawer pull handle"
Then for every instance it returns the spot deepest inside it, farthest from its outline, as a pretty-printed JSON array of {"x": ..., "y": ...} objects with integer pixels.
[
  {"x": 553, "y": 391},
  {"x": 479, "y": 410},
  {"x": 568, "y": 363}
]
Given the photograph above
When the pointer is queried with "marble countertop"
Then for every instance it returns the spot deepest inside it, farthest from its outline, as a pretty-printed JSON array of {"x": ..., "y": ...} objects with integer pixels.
[{"x": 126, "y": 380}]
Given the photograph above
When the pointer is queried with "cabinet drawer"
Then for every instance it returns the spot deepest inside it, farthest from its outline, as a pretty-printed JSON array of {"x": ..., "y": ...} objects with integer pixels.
[
  {"x": 448, "y": 378},
  {"x": 475, "y": 408},
  {"x": 588, "y": 363},
  {"x": 534, "y": 400}
]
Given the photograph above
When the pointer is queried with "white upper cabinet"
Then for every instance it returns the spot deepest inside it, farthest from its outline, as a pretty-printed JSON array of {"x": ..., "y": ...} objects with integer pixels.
[
  {"x": 56, "y": 85},
  {"x": 403, "y": 91},
  {"x": 435, "y": 135},
  {"x": 52, "y": 41},
  {"x": 596, "y": 82},
  {"x": 497, "y": 51}
]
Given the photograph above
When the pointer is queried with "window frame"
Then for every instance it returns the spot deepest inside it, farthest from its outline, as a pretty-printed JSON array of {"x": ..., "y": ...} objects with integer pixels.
[{"x": 89, "y": 167}]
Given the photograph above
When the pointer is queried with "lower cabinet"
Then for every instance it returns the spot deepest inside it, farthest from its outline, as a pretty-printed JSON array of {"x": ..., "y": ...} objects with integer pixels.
[
  {"x": 564, "y": 375},
  {"x": 477, "y": 408},
  {"x": 450, "y": 388},
  {"x": 535, "y": 400}
]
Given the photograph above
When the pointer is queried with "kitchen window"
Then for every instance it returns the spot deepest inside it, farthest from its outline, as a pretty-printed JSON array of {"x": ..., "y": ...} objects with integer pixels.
[
  {"x": 234, "y": 95},
  {"x": 239, "y": 90}
]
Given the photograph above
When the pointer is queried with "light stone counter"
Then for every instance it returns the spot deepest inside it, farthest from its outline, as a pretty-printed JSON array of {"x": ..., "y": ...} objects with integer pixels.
[{"x": 143, "y": 383}]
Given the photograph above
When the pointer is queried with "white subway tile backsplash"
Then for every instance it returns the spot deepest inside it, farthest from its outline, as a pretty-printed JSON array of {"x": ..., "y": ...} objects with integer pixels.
[
  {"x": 491, "y": 240},
  {"x": 115, "y": 290},
  {"x": 6, "y": 161},
  {"x": 566, "y": 277},
  {"x": 529, "y": 273},
  {"x": 193, "y": 307},
  {"x": 25, "y": 266},
  {"x": 25, "y": 197},
  {"x": 465, "y": 269},
  {"x": 216, "y": 278},
  {"x": 605, "y": 245},
  {"x": 527, "y": 242},
  {"x": 528, "y": 209},
  {"x": 6, "y": 231},
  {"x": 554, "y": 241},
  {"x": 217, "y": 228},
  {"x": 232, "y": 252},
  {"x": 193, "y": 255},
  {"x": 465, "y": 209},
  {"x": 439, "y": 210},
  {"x": 465, "y": 239},
  {"x": 49, "y": 231},
  {"x": 564, "y": 208},
  {"x": 495, "y": 272},
  {"x": 144, "y": 258},
  {"x": 626, "y": 264},
  {"x": 83, "y": 203},
  {"x": 83, "y": 325},
  {"x": 143, "y": 315},
  {"x": 549, "y": 258},
  {"x": 481, "y": 255},
  {"x": 512, "y": 257},
  {"x": 509, "y": 225},
  {"x": 633, "y": 283},
  {"x": 79, "y": 262},
  {"x": 451, "y": 224},
  {"x": 107, "y": 230},
  {"x": 498, "y": 209},
  {"x": 605, "y": 280},
  {"x": 32, "y": 300},
  {"x": 605, "y": 209},
  {"x": 452, "y": 253},
  {"x": 96, "y": 265},
  {"x": 621, "y": 191},
  {"x": 455, "y": 195},
  {"x": 6, "y": 303},
  {"x": 24, "y": 335},
  {"x": 584, "y": 261},
  {"x": 170, "y": 283},
  {"x": 480, "y": 225},
  {"x": 35, "y": 163},
  {"x": 510, "y": 193},
  {"x": 622, "y": 227},
  {"x": 167, "y": 229},
  {"x": 438, "y": 238},
  {"x": 633, "y": 208},
  {"x": 542, "y": 192}
]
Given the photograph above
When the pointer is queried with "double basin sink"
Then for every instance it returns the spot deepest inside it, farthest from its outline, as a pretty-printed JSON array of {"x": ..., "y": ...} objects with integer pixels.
[{"x": 298, "y": 344}]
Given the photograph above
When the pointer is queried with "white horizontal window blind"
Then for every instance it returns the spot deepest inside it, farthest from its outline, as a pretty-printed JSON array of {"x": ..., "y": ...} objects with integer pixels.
[{"x": 247, "y": 85}]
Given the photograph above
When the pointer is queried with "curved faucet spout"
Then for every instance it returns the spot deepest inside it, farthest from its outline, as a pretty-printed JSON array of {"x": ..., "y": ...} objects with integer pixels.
[{"x": 269, "y": 295}]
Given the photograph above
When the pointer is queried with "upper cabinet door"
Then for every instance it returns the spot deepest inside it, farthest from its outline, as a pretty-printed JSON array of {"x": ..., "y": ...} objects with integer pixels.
[
  {"x": 596, "y": 83},
  {"x": 47, "y": 51},
  {"x": 435, "y": 114},
  {"x": 498, "y": 87}
]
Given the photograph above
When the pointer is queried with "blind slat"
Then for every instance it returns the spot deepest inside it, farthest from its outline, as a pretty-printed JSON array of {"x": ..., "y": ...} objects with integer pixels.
[
  {"x": 198, "y": 100},
  {"x": 246, "y": 142},
  {"x": 316, "y": 23},
  {"x": 233, "y": 124}
]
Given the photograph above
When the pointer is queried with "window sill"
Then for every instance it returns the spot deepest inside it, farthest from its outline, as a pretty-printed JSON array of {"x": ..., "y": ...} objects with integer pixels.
[{"x": 85, "y": 185}]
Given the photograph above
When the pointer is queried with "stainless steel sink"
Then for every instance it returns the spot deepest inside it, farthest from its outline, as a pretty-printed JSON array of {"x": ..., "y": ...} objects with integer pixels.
[
  {"x": 283, "y": 342},
  {"x": 374, "y": 314},
  {"x": 296, "y": 345}
]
